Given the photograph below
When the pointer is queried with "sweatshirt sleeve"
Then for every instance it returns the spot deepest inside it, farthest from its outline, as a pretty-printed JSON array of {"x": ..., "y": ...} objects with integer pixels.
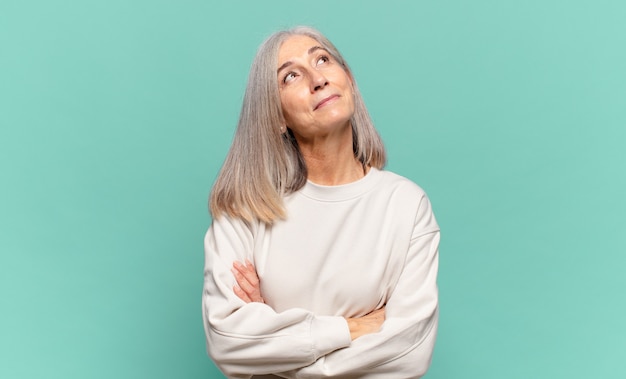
[
  {"x": 403, "y": 347},
  {"x": 251, "y": 339}
]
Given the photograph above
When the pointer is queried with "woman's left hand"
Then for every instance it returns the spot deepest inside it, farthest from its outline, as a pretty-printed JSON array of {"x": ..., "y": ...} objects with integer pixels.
[{"x": 248, "y": 286}]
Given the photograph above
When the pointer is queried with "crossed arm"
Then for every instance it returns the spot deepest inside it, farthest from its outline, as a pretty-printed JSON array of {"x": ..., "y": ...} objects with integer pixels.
[
  {"x": 396, "y": 341},
  {"x": 248, "y": 289}
]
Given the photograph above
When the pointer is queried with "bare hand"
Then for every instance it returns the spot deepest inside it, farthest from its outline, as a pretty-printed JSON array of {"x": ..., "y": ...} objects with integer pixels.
[
  {"x": 370, "y": 323},
  {"x": 248, "y": 286}
]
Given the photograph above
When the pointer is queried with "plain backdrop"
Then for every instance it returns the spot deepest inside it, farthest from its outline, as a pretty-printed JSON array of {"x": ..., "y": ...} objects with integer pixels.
[{"x": 116, "y": 115}]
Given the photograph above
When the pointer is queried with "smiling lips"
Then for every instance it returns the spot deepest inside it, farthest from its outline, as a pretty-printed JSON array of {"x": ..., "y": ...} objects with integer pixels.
[{"x": 325, "y": 101}]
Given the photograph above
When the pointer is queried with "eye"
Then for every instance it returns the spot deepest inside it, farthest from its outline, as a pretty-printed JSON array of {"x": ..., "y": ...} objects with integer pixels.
[
  {"x": 289, "y": 77},
  {"x": 322, "y": 59}
]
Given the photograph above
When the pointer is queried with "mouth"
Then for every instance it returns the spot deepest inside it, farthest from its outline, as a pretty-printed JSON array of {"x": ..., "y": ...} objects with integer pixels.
[{"x": 325, "y": 101}]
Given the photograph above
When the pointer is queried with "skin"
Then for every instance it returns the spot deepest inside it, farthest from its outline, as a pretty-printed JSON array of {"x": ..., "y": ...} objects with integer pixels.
[
  {"x": 248, "y": 286},
  {"x": 317, "y": 103}
]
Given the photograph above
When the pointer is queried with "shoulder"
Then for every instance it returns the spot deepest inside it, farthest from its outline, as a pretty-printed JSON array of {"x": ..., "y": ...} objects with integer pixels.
[
  {"x": 406, "y": 195},
  {"x": 399, "y": 185},
  {"x": 227, "y": 227}
]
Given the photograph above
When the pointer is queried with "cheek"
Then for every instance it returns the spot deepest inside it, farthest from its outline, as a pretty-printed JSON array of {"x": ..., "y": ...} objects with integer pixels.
[
  {"x": 292, "y": 104},
  {"x": 290, "y": 113},
  {"x": 351, "y": 102},
  {"x": 287, "y": 108}
]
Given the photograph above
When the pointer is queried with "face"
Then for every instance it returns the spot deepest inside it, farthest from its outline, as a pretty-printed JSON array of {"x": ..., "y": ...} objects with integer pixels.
[{"x": 315, "y": 91}]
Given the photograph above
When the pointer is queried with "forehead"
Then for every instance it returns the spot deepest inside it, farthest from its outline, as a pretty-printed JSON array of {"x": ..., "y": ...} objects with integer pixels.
[{"x": 295, "y": 47}]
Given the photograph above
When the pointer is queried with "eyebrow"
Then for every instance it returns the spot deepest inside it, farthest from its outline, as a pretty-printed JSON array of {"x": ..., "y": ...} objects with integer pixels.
[{"x": 310, "y": 51}]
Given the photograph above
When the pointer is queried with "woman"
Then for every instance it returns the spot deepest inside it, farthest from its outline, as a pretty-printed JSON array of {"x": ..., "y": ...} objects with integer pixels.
[{"x": 318, "y": 262}]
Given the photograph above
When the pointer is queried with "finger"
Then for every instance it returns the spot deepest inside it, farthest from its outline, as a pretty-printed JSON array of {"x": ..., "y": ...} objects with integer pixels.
[
  {"x": 250, "y": 266},
  {"x": 242, "y": 269},
  {"x": 241, "y": 294},
  {"x": 248, "y": 280},
  {"x": 250, "y": 293},
  {"x": 242, "y": 281},
  {"x": 249, "y": 272}
]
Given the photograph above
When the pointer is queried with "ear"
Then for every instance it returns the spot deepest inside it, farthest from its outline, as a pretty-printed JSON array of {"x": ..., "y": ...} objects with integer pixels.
[{"x": 283, "y": 124}]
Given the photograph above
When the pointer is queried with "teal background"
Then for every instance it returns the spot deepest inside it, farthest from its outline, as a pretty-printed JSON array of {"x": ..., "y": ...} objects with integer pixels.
[{"x": 115, "y": 117}]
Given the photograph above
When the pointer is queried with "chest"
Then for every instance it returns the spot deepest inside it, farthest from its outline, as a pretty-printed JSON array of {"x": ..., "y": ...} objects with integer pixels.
[{"x": 335, "y": 259}]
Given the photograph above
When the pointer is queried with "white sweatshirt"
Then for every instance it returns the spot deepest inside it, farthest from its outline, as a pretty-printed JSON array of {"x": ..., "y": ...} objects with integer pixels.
[{"x": 343, "y": 251}]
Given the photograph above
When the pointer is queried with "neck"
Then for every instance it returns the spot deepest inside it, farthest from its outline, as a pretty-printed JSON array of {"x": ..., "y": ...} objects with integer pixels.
[
  {"x": 331, "y": 161},
  {"x": 332, "y": 172}
]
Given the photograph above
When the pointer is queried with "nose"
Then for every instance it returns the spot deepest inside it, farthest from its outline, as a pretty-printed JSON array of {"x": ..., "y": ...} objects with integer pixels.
[{"x": 318, "y": 81}]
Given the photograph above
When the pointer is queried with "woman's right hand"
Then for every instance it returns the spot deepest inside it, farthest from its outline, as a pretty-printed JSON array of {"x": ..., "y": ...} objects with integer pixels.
[
  {"x": 248, "y": 286},
  {"x": 370, "y": 323}
]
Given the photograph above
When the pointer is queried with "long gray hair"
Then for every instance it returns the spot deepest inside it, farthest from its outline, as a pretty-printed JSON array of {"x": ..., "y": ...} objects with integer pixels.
[{"x": 264, "y": 164}]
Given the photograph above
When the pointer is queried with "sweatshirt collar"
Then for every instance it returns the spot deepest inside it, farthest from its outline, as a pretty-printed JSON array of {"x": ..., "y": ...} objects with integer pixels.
[{"x": 344, "y": 191}]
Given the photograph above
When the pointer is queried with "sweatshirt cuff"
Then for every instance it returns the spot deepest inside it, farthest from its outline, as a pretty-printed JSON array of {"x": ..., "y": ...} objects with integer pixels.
[{"x": 329, "y": 334}]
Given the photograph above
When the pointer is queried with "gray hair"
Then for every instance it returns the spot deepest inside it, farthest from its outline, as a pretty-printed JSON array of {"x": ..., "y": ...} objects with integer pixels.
[{"x": 264, "y": 164}]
